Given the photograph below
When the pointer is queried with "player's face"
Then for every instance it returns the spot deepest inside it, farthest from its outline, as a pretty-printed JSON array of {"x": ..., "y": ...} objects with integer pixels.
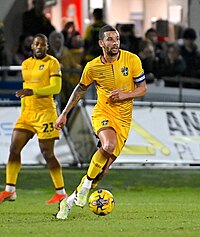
[
  {"x": 110, "y": 43},
  {"x": 39, "y": 47}
]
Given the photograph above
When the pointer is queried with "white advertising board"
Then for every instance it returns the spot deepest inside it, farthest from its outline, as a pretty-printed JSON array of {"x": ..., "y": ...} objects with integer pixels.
[
  {"x": 167, "y": 135},
  {"x": 158, "y": 135},
  {"x": 31, "y": 154}
]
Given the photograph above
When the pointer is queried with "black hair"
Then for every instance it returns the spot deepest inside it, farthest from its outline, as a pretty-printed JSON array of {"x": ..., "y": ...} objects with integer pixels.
[
  {"x": 41, "y": 36},
  {"x": 98, "y": 13},
  {"x": 68, "y": 24},
  {"x": 105, "y": 29},
  {"x": 151, "y": 30},
  {"x": 189, "y": 33}
]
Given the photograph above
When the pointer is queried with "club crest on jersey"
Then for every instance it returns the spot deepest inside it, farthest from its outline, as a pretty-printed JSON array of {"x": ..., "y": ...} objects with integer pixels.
[
  {"x": 124, "y": 70},
  {"x": 41, "y": 67},
  {"x": 104, "y": 122}
]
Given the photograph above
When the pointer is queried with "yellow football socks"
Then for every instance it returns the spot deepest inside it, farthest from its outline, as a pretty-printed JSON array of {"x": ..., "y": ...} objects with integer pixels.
[
  {"x": 12, "y": 171},
  {"x": 98, "y": 161},
  {"x": 57, "y": 178}
]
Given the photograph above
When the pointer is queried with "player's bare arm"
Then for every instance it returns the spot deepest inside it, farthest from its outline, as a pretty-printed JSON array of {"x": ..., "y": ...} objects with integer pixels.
[
  {"x": 76, "y": 95},
  {"x": 139, "y": 90}
]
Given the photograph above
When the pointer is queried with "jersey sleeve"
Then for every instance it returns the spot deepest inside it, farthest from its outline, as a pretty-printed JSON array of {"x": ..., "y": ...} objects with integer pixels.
[
  {"x": 55, "y": 69},
  {"x": 53, "y": 89},
  {"x": 86, "y": 78},
  {"x": 138, "y": 72}
]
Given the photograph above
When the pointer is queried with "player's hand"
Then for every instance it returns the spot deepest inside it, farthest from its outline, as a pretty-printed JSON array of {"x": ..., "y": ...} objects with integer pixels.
[
  {"x": 117, "y": 95},
  {"x": 60, "y": 122},
  {"x": 24, "y": 92}
]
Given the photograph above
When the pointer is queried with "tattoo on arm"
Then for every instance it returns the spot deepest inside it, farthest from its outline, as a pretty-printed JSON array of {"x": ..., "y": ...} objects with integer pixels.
[{"x": 76, "y": 95}]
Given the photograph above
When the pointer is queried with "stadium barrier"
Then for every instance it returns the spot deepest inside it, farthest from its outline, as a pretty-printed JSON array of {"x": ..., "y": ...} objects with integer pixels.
[
  {"x": 161, "y": 135},
  {"x": 157, "y": 91},
  {"x": 31, "y": 155}
]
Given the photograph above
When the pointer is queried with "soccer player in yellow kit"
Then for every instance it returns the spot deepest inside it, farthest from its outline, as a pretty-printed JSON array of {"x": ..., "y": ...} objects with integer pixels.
[
  {"x": 119, "y": 78},
  {"x": 41, "y": 80}
]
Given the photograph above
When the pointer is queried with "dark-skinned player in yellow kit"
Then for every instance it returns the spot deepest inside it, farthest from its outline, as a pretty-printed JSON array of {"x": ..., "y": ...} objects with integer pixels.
[
  {"x": 41, "y": 80},
  {"x": 119, "y": 78}
]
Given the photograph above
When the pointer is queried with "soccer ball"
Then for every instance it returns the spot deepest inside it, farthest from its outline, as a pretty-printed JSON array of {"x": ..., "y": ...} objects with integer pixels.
[{"x": 101, "y": 202}]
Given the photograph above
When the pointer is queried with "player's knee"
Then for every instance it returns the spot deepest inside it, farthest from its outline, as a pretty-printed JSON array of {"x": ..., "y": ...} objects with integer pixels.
[
  {"x": 14, "y": 150},
  {"x": 109, "y": 147},
  {"x": 47, "y": 155}
]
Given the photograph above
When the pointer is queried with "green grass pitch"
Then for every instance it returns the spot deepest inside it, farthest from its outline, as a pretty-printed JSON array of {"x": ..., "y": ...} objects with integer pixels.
[{"x": 149, "y": 203}]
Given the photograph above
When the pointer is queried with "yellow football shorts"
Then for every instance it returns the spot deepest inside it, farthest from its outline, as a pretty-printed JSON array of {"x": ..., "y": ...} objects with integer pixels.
[
  {"x": 102, "y": 121},
  {"x": 41, "y": 123}
]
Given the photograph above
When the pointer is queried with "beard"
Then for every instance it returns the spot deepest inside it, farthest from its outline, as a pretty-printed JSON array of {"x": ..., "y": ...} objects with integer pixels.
[
  {"x": 111, "y": 53},
  {"x": 40, "y": 55}
]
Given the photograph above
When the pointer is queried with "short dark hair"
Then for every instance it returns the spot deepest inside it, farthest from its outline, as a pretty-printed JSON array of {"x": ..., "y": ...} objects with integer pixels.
[
  {"x": 105, "y": 29},
  {"x": 41, "y": 36},
  {"x": 150, "y": 30},
  {"x": 189, "y": 33},
  {"x": 98, "y": 13}
]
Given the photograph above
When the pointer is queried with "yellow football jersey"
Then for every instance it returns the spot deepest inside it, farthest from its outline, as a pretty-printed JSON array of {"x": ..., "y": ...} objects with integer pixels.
[
  {"x": 36, "y": 74},
  {"x": 121, "y": 74}
]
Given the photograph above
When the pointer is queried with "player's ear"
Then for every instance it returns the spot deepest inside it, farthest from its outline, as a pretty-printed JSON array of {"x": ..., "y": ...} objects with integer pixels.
[{"x": 100, "y": 43}]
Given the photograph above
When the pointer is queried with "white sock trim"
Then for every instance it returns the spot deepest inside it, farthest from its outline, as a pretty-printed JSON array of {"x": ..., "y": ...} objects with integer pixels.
[
  {"x": 61, "y": 191},
  {"x": 10, "y": 188}
]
